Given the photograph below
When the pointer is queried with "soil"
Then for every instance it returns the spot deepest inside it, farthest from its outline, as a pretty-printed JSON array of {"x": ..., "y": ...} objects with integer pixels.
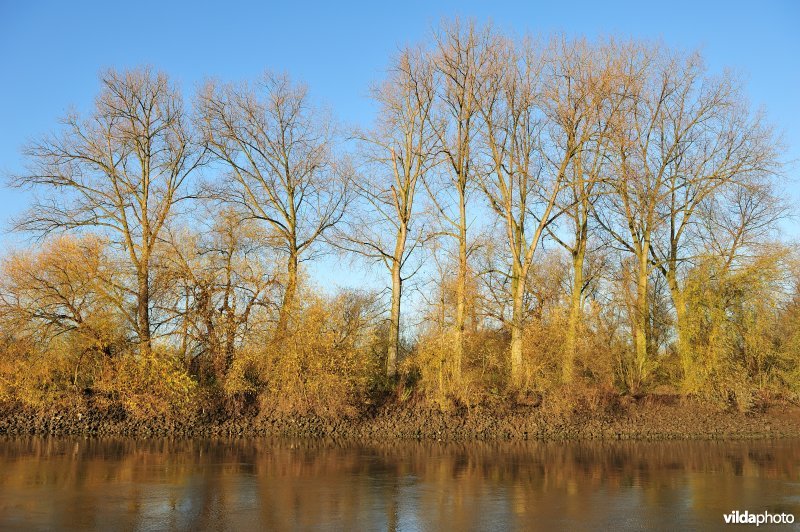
[{"x": 643, "y": 419}]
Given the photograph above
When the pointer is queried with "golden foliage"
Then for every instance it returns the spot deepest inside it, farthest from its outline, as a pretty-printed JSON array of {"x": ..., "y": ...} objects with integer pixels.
[
  {"x": 323, "y": 364},
  {"x": 661, "y": 277},
  {"x": 148, "y": 387},
  {"x": 734, "y": 331}
]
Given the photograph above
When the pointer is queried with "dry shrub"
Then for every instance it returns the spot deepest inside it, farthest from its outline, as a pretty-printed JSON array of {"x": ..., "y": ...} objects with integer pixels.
[
  {"x": 486, "y": 363},
  {"x": 24, "y": 378},
  {"x": 432, "y": 366},
  {"x": 581, "y": 398},
  {"x": 486, "y": 359},
  {"x": 739, "y": 336},
  {"x": 543, "y": 352},
  {"x": 601, "y": 345},
  {"x": 324, "y": 364},
  {"x": 730, "y": 386},
  {"x": 47, "y": 378},
  {"x": 598, "y": 348},
  {"x": 148, "y": 386},
  {"x": 248, "y": 372},
  {"x": 429, "y": 374},
  {"x": 428, "y": 369},
  {"x": 59, "y": 322}
]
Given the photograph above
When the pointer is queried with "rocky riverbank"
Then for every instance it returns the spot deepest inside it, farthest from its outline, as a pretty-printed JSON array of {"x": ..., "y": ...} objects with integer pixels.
[{"x": 646, "y": 420}]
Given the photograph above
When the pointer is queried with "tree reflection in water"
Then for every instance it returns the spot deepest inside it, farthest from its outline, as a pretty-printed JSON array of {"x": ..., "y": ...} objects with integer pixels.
[{"x": 245, "y": 484}]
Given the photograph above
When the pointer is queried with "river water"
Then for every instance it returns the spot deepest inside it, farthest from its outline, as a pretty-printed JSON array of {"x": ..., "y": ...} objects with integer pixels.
[{"x": 119, "y": 484}]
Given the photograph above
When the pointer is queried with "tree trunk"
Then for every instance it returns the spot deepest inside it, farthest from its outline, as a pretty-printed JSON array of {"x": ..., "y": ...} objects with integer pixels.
[
  {"x": 518, "y": 290},
  {"x": 394, "y": 321},
  {"x": 143, "y": 311},
  {"x": 227, "y": 361},
  {"x": 640, "y": 321},
  {"x": 575, "y": 313},
  {"x": 684, "y": 353},
  {"x": 461, "y": 295},
  {"x": 290, "y": 294}
]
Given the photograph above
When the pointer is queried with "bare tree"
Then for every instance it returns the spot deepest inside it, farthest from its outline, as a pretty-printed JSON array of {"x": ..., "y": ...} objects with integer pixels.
[
  {"x": 528, "y": 167},
  {"x": 396, "y": 156},
  {"x": 461, "y": 57},
  {"x": 221, "y": 280},
  {"x": 581, "y": 108},
  {"x": 282, "y": 170},
  {"x": 737, "y": 222},
  {"x": 722, "y": 151},
  {"x": 121, "y": 170},
  {"x": 643, "y": 150},
  {"x": 729, "y": 254},
  {"x": 686, "y": 137}
]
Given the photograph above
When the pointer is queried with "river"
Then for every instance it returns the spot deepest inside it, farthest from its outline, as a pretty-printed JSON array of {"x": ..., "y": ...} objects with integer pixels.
[{"x": 251, "y": 484}]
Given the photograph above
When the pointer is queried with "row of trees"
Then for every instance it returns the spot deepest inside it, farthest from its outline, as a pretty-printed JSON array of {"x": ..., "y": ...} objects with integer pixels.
[{"x": 598, "y": 211}]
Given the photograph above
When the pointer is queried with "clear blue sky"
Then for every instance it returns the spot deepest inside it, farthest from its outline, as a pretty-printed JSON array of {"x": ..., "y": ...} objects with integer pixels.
[{"x": 51, "y": 52}]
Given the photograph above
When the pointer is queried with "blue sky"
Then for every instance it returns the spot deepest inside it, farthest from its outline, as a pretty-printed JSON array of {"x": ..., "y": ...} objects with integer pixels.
[{"x": 51, "y": 52}]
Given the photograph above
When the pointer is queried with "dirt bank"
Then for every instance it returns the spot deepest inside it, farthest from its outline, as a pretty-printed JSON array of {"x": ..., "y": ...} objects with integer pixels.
[{"x": 644, "y": 419}]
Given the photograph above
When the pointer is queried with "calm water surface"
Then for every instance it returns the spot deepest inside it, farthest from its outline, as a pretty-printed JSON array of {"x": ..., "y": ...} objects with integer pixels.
[{"x": 118, "y": 484}]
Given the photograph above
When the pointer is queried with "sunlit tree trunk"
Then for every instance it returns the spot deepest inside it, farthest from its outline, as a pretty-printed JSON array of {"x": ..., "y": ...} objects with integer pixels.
[
  {"x": 394, "y": 322},
  {"x": 461, "y": 59},
  {"x": 290, "y": 292},
  {"x": 143, "y": 312},
  {"x": 517, "y": 325},
  {"x": 575, "y": 309},
  {"x": 681, "y": 333},
  {"x": 641, "y": 317},
  {"x": 461, "y": 292},
  {"x": 395, "y": 159}
]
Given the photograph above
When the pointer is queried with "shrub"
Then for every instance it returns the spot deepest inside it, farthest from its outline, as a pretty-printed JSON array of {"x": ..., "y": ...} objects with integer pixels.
[
  {"x": 147, "y": 387},
  {"x": 324, "y": 364}
]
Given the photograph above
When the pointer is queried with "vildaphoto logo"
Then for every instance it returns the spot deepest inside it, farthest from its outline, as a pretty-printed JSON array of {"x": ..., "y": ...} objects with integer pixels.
[{"x": 764, "y": 518}]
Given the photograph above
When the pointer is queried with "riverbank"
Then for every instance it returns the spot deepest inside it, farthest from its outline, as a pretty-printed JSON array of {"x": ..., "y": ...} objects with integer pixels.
[{"x": 645, "y": 419}]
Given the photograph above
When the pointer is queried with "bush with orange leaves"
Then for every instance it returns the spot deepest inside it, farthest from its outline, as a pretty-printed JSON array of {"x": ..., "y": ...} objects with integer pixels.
[
  {"x": 59, "y": 320},
  {"x": 325, "y": 363},
  {"x": 65, "y": 340}
]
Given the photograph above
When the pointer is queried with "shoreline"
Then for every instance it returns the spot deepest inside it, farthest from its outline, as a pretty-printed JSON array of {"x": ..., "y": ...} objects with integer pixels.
[{"x": 687, "y": 420}]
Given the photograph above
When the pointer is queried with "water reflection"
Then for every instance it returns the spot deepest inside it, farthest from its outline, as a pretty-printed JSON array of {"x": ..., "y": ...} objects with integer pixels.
[{"x": 246, "y": 484}]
